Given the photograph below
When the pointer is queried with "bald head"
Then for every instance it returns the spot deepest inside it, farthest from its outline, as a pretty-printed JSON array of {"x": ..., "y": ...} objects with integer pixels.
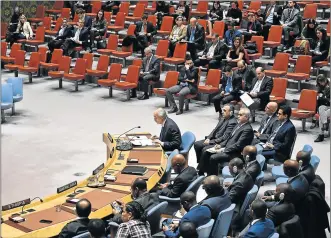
[
  {"x": 291, "y": 168},
  {"x": 286, "y": 189},
  {"x": 193, "y": 21},
  {"x": 241, "y": 65},
  {"x": 188, "y": 200},
  {"x": 251, "y": 152},
  {"x": 83, "y": 208},
  {"x": 212, "y": 185},
  {"x": 304, "y": 157},
  {"x": 178, "y": 163},
  {"x": 260, "y": 73},
  {"x": 271, "y": 108}
]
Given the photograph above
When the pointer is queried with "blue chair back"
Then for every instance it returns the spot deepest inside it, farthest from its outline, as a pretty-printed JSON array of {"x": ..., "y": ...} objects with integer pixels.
[
  {"x": 154, "y": 216},
  {"x": 204, "y": 231},
  {"x": 17, "y": 86},
  {"x": 314, "y": 161},
  {"x": 167, "y": 174},
  {"x": 194, "y": 186},
  {"x": 308, "y": 148},
  {"x": 259, "y": 179},
  {"x": 83, "y": 235},
  {"x": 250, "y": 197},
  {"x": 300, "y": 185},
  {"x": 259, "y": 149},
  {"x": 188, "y": 139},
  {"x": 7, "y": 93},
  {"x": 275, "y": 235},
  {"x": 261, "y": 160},
  {"x": 223, "y": 222}
]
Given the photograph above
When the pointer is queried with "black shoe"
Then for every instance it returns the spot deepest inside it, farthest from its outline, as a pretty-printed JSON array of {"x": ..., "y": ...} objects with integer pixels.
[
  {"x": 174, "y": 109},
  {"x": 319, "y": 138},
  {"x": 179, "y": 112},
  {"x": 143, "y": 97}
]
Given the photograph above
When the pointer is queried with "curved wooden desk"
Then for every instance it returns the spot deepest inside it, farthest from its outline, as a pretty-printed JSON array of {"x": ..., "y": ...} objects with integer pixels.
[{"x": 150, "y": 156}]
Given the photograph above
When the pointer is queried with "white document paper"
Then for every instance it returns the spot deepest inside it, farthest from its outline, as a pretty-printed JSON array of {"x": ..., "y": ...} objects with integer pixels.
[
  {"x": 138, "y": 137},
  {"x": 246, "y": 99}
]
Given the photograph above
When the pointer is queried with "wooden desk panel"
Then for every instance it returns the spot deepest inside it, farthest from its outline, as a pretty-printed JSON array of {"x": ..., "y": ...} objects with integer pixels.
[
  {"x": 127, "y": 179},
  {"x": 146, "y": 157}
]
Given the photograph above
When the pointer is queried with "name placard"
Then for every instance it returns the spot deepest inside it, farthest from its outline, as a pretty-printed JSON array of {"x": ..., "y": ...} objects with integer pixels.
[
  {"x": 16, "y": 204},
  {"x": 110, "y": 138},
  {"x": 66, "y": 187},
  {"x": 111, "y": 153},
  {"x": 97, "y": 170}
]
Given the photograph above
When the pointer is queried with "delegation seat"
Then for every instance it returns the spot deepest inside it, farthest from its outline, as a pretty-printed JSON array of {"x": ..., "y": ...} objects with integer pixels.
[
  {"x": 32, "y": 67},
  {"x": 166, "y": 26},
  {"x": 112, "y": 44},
  {"x": 58, "y": 5},
  {"x": 179, "y": 55},
  {"x": 171, "y": 79},
  {"x": 154, "y": 216},
  {"x": 188, "y": 139},
  {"x": 46, "y": 23},
  {"x": 55, "y": 60},
  {"x": 202, "y": 9},
  {"x": 17, "y": 90},
  {"x": 254, "y": 6},
  {"x": 212, "y": 83},
  {"x": 137, "y": 62},
  {"x": 119, "y": 22},
  {"x": 114, "y": 76},
  {"x": 123, "y": 8},
  {"x": 89, "y": 60},
  {"x": 11, "y": 58},
  {"x": 152, "y": 19},
  {"x": 320, "y": 64},
  {"x": 280, "y": 67},
  {"x": 167, "y": 174},
  {"x": 306, "y": 107},
  {"x": 223, "y": 222},
  {"x": 309, "y": 12},
  {"x": 19, "y": 61},
  {"x": 151, "y": 9},
  {"x": 7, "y": 101},
  {"x": 250, "y": 197},
  {"x": 102, "y": 67},
  {"x": 298, "y": 43},
  {"x": 130, "y": 32},
  {"x": 302, "y": 69},
  {"x": 259, "y": 45},
  {"x": 96, "y": 7},
  {"x": 39, "y": 38},
  {"x": 57, "y": 27},
  {"x": 218, "y": 28},
  {"x": 204, "y": 230},
  {"x": 63, "y": 68},
  {"x": 274, "y": 38},
  {"x": 131, "y": 81},
  {"x": 204, "y": 24},
  {"x": 279, "y": 90},
  {"x": 259, "y": 180},
  {"x": 3, "y": 48},
  {"x": 138, "y": 12},
  {"x": 43, "y": 54},
  {"x": 126, "y": 52},
  {"x": 162, "y": 48},
  {"x": 40, "y": 14},
  {"x": 77, "y": 74}
]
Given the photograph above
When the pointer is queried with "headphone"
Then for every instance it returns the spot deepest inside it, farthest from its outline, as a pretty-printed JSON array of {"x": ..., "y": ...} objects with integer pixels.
[
  {"x": 235, "y": 169},
  {"x": 231, "y": 110},
  {"x": 281, "y": 196},
  {"x": 247, "y": 158},
  {"x": 300, "y": 164}
]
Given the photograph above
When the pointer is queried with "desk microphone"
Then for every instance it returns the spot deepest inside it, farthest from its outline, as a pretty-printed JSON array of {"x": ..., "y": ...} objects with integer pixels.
[
  {"x": 23, "y": 212},
  {"x": 78, "y": 188},
  {"x": 125, "y": 145},
  {"x": 118, "y": 139}
]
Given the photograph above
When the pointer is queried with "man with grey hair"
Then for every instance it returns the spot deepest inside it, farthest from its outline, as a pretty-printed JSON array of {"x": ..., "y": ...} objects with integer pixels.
[
  {"x": 150, "y": 72},
  {"x": 170, "y": 136},
  {"x": 195, "y": 36},
  {"x": 241, "y": 136}
]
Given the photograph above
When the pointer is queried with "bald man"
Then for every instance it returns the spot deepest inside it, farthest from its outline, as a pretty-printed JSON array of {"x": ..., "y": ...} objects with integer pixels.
[
  {"x": 306, "y": 169},
  {"x": 252, "y": 167},
  {"x": 217, "y": 198},
  {"x": 186, "y": 175},
  {"x": 268, "y": 123},
  {"x": 195, "y": 35},
  {"x": 246, "y": 72},
  {"x": 260, "y": 89}
]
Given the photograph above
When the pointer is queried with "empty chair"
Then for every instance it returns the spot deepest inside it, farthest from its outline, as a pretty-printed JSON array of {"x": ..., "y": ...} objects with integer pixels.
[
  {"x": 274, "y": 38},
  {"x": 131, "y": 81},
  {"x": 57, "y": 27},
  {"x": 178, "y": 56},
  {"x": 95, "y": 8},
  {"x": 154, "y": 216},
  {"x": 152, "y": 19},
  {"x": 6, "y": 99},
  {"x": 19, "y": 61},
  {"x": 222, "y": 224},
  {"x": 39, "y": 38},
  {"x": 309, "y": 12},
  {"x": 89, "y": 60},
  {"x": 11, "y": 58},
  {"x": 162, "y": 49},
  {"x": 33, "y": 66},
  {"x": 4, "y": 27},
  {"x": 63, "y": 68},
  {"x": 201, "y": 10},
  {"x": 43, "y": 54},
  {"x": 58, "y": 5},
  {"x": 112, "y": 44},
  {"x": 218, "y": 28},
  {"x": 102, "y": 67},
  {"x": 302, "y": 70},
  {"x": 280, "y": 66},
  {"x": 114, "y": 76},
  {"x": 204, "y": 230},
  {"x": 166, "y": 26},
  {"x": 137, "y": 13},
  {"x": 306, "y": 107},
  {"x": 279, "y": 90},
  {"x": 65, "y": 13},
  {"x": 204, "y": 24},
  {"x": 40, "y": 13},
  {"x": 167, "y": 174},
  {"x": 46, "y": 23},
  {"x": 250, "y": 197},
  {"x": 212, "y": 83},
  {"x": 119, "y": 22},
  {"x": 151, "y": 9},
  {"x": 126, "y": 52},
  {"x": 77, "y": 74},
  {"x": 3, "y": 48},
  {"x": 124, "y": 8},
  {"x": 259, "y": 179},
  {"x": 171, "y": 79},
  {"x": 259, "y": 45},
  {"x": 254, "y": 6},
  {"x": 315, "y": 161},
  {"x": 17, "y": 90},
  {"x": 188, "y": 139}
]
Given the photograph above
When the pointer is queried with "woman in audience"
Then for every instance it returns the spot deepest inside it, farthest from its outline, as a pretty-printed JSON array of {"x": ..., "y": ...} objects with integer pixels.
[
  {"x": 182, "y": 9},
  {"x": 162, "y": 9},
  {"x": 177, "y": 34},
  {"x": 216, "y": 13},
  {"x": 99, "y": 27},
  {"x": 18, "y": 11},
  {"x": 23, "y": 31},
  {"x": 135, "y": 224},
  {"x": 236, "y": 53},
  {"x": 322, "y": 47},
  {"x": 309, "y": 33},
  {"x": 234, "y": 13},
  {"x": 253, "y": 27}
]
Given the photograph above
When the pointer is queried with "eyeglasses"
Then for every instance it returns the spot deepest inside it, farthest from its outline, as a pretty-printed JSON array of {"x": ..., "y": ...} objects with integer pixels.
[{"x": 240, "y": 114}]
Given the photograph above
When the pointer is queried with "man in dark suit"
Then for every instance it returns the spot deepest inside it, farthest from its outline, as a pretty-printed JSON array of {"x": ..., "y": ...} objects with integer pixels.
[
  {"x": 144, "y": 32},
  {"x": 260, "y": 225},
  {"x": 260, "y": 90},
  {"x": 229, "y": 90},
  {"x": 80, "y": 38},
  {"x": 268, "y": 123},
  {"x": 111, "y": 6},
  {"x": 217, "y": 198},
  {"x": 231, "y": 34},
  {"x": 212, "y": 56},
  {"x": 246, "y": 72},
  {"x": 195, "y": 35},
  {"x": 150, "y": 72},
  {"x": 289, "y": 22},
  {"x": 64, "y": 33},
  {"x": 241, "y": 136},
  {"x": 186, "y": 175},
  {"x": 306, "y": 169},
  {"x": 195, "y": 213},
  {"x": 87, "y": 19},
  {"x": 252, "y": 167},
  {"x": 187, "y": 84},
  {"x": 170, "y": 137},
  {"x": 271, "y": 16},
  {"x": 282, "y": 139},
  {"x": 220, "y": 133},
  {"x": 78, "y": 226}
]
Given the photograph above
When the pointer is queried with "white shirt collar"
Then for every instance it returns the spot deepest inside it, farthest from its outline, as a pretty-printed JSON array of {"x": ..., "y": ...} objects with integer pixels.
[{"x": 254, "y": 221}]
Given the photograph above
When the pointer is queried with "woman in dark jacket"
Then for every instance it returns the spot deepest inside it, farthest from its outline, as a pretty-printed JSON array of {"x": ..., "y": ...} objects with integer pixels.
[
  {"x": 182, "y": 9},
  {"x": 309, "y": 32},
  {"x": 322, "y": 47},
  {"x": 99, "y": 27},
  {"x": 216, "y": 13},
  {"x": 235, "y": 13},
  {"x": 253, "y": 27},
  {"x": 162, "y": 9}
]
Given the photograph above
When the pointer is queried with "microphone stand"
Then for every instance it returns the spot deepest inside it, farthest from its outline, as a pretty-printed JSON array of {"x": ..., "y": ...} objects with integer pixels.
[
  {"x": 23, "y": 212},
  {"x": 125, "y": 145},
  {"x": 118, "y": 138}
]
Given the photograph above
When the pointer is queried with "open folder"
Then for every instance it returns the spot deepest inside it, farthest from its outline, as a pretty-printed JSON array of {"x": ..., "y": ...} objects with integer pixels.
[{"x": 247, "y": 100}]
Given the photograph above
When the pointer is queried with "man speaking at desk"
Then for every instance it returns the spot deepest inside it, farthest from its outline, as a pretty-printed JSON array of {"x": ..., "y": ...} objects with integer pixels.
[{"x": 170, "y": 136}]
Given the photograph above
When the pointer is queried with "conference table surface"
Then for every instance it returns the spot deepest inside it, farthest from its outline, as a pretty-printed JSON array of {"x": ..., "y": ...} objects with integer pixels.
[{"x": 56, "y": 209}]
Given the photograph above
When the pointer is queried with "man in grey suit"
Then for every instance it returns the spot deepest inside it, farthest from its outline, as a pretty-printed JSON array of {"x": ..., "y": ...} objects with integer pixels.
[
  {"x": 150, "y": 71},
  {"x": 289, "y": 21}
]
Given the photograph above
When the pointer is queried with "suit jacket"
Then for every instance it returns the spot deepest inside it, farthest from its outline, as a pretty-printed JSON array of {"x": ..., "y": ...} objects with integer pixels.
[
  {"x": 222, "y": 130},
  {"x": 220, "y": 50},
  {"x": 309, "y": 172},
  {"x": 170, "y": 135},
  {"x": 300, "y": 186},
  {"x": 67, "y": 33},
  {"x": 150, "y": 29},
  {"x": 255, "y": 26},
  {"x": 198, "y": 215},
  {"x": 181, "y": 34},
  {"x": 325, "y": 47},
  {"x": 88, "y": 21},
  {"x": 261, "y": 229},
  {"x": 25, "y": 29},
  {"x": 265, "y": 90},
  {"x": 101, "y": 26},
  {"x": 270, "y": 126},
  {"x": 199, "y": 35},
  {"x": 216, "y": 204},
  {"x": 83, "y": 35},
  {"x": 228, "y": 38},
  {"x": 238, "y": 140},
  {"x": 74, "y": 228},
  {"x": 235, "y": 13},
  {"x": 154, "y": 66},
  {"x": 278, "y": 9},
  {"x": 180, "y": 184},
  {"x": 281, "y": 212},
  {"x": 247, "y": 76},
  {"x": 239, "y": 188},
  {"x": 191, "y": 73},
  {"x": 253, "y": 169},
  {"x": 284, "y": 139},
  {"x": 148, "y": 200},
  {"x": 290, "y": 19},
  {"x": 236, "y": 84}
]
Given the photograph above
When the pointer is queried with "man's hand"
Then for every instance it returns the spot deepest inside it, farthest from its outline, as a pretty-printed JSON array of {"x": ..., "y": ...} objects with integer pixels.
[
  {"x": 148, "y": 34},
  {"x": 269, "y": 145},
  {"x": 227, "y": 184},
  {"x": 163, "y": 185},
  {"x": 187, "y": 67},
  {"x": 266, "y": 198},
  {"x": 165, "y": 228},
  {"x": 222, "y": 93},
  {"x": 154, "y": 137},
  {"x": 173, "y": 226},
  {"x": 228, "y": 59},
  {"x": 257, "y": 134},
  {"x": 157, "y": 141},
  {"x": 253, "y": 94},
  {"x": 206, "y": 142}
]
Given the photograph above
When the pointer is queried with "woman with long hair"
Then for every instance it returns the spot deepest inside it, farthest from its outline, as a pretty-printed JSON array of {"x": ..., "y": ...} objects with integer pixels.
[
  {"x": 309, "y": 32},
  {"x": 99, "y": 27},
  {"x": 177, "y": 34},
  {"x": 236, "y": 53},
  {"x": 216, "y": 13},
  {"x": 322, "y": 48},
  {"x": 23, "y": 31}
]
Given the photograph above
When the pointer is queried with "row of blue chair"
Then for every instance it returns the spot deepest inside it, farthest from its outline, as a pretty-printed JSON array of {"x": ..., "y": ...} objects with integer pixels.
[{"x": 11, "y": 92}]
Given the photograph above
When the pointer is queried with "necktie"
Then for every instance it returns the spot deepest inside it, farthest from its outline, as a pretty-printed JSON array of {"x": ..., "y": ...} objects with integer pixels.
[
  {"x": 228, "y": 87},
  {"x": 265, "y": 125},
  {"x": 147, "y": 64},
  {"x": 273, "y": 135},
  {"x": 235, "y": 129},
  {"x": 192, "y": 34}
]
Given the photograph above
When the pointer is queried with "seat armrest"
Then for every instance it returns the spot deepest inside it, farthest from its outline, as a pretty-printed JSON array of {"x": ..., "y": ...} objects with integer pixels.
[
  {"x": 167, "y": 199},
  {"x": 114, "y": 224}
]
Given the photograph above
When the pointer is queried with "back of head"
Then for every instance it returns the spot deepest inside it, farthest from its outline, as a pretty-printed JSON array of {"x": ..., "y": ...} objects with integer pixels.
[
  {"x": 291, "y": 168},
  {"x": 140, "y": 184},
  {"x": 97, "y": 228},
  {"x": 212, "y": 185},
  {"x": 83, "y": 208},
  {"x": 249, "y": 153},
  {"x": 237, "y": 162},
  {"x": 188, "y": 230},
  {"x": 259, "y": 209},
  {"x": 303, "y": 158},
  {"x": 188, "y": 196},
  {"x": 285, "y": 192},
  {"x": 137, "y": 211}
]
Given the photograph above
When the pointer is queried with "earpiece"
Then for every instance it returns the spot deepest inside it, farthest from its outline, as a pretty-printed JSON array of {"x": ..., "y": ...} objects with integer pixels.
[
  {"x": 281, "y": 196},
  {"x": 247, "y": 158},
  {"x": 178, "y": 165},
  {"x": 235, "y": 169},
  {"x": 300, "y": 163}
]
